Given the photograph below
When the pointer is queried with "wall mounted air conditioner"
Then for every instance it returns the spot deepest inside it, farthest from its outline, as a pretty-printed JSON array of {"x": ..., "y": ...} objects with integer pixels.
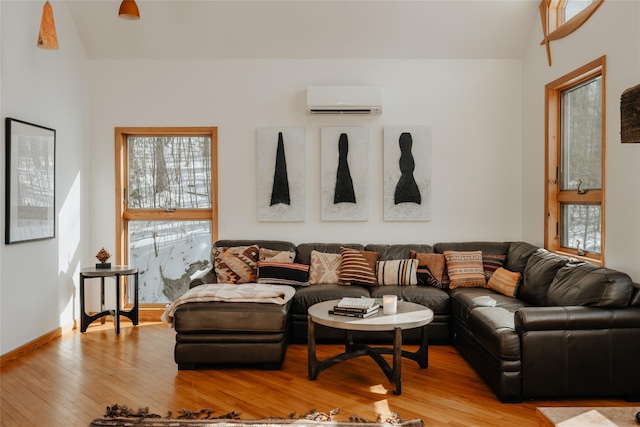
[{"x": 363, "y": 100}]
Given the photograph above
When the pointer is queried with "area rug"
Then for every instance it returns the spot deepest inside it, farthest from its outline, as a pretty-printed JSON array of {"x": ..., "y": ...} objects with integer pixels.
[{"x": 122, "y": 416}]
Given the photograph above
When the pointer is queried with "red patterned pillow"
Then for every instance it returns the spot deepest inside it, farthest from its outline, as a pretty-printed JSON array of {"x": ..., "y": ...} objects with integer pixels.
[
  {"x": 358, "y": 267},
  {"x": 238, "y": 264},
  {"x": 491, "y": 263}
]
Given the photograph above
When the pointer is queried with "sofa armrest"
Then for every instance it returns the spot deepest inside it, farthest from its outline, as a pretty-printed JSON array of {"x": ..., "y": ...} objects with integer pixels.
[
  {"x": 202, "y": 278},
  {"x": 575, "y": 318}
]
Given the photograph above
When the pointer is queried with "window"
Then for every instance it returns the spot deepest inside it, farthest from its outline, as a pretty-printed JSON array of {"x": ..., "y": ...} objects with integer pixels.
[
  {"x": 575, "y": 149},
  {"x": 562, "y": 17},
  {"x": 166, "y": 202}
]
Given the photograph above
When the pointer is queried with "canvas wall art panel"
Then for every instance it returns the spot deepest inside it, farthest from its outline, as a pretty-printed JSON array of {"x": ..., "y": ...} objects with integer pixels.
[
  {"x": 345, "y": 173},
  {"x": 407, "y": 173},
  {"x": 30, "y": 182},
  {"x": 281, "y": 174}
]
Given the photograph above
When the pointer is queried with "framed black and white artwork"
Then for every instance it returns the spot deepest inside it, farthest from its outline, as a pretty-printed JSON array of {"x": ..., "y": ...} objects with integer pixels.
[
  {"x": 281, "y": 174},
  {"x": 407, "y": 173},
  {"x": 30, "y": 182},
  {"x": 345, "y": 173}
]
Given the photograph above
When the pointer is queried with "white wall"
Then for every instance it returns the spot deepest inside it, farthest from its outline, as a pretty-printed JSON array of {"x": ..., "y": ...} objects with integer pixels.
[
  {"x": 613, "y": 31},
  {"x": 38, "y": 280},
  {"x": 473, "y": 107}
]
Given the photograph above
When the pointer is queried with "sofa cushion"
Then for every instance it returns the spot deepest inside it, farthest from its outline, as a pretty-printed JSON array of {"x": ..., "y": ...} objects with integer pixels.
[
  {"x": 400, "y": 251},
  {"x": 504, "y": 282},
  {"x": 431, "y": 268},
  {"x": 464, "y": 300},
  {"x": 283, "y": 273},
  {"x": 436, "y": 299},
  {"x": 237, "y": 317},
  {"x": 465, "y": 269},
  {"x": 358, "y": 267},
  {"x": 588, "y": 284},
  {"x": 397, "y": 272},
  {"x": 324, "y": 268},
  {"x": 494, "y": 327},
  {"x": 236, "y": 264},
  {"x": 541, "y": 268},
  {"x": 518, "y": 255},
  {"x": 307, "y": 296},
  {"x": 303, "y": 250},
  {"x": 493, "y": 248}
]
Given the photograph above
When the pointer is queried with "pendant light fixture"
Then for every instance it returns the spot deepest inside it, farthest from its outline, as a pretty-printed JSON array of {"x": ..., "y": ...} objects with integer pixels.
[
  {"x": 129, "y": 10},
  {"x": 47, "y": 38}
]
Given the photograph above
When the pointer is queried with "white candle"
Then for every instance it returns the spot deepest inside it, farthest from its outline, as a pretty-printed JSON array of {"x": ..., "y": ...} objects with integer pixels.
[{"x": 389, "y": 304}]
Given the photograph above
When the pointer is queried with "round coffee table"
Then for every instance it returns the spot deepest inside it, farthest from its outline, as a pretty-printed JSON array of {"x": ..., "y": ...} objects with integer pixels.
[{"x": 408, "y": 316}]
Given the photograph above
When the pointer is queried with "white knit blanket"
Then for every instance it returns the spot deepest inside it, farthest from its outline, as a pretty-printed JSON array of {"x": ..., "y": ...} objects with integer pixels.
[{"x": 247, "y": 292}]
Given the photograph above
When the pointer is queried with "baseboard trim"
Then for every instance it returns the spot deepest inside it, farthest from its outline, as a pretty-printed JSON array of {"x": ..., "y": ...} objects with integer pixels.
[
  {"x": 30, "y": 346},
  {"x": 151, "y": 314}
]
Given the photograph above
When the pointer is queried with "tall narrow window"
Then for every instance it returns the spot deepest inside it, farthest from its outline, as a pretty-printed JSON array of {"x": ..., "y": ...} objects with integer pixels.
[
  {"x": 167, "y": 206},
  {"x": 575, "y": 148}
]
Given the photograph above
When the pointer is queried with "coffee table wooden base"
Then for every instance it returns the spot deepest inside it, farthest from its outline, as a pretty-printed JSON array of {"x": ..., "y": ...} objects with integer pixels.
[{"x": 352, "y": 350}]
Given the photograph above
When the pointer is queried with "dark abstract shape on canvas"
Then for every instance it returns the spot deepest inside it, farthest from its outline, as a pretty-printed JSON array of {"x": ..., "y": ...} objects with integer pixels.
[
  {"x": 280, "y": 191},
  {"x": 407, "y": 190},
  {"x": 344, "y": 192}
]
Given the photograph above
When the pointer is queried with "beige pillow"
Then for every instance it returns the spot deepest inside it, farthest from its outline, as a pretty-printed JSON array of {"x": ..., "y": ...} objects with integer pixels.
[
  {"x": 272, "y": 255},
  {"x": 324, "y": 268}
]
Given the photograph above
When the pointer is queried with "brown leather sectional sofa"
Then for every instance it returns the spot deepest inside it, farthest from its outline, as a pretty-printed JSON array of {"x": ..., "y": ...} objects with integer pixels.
[{"x": 573, "y": 329}]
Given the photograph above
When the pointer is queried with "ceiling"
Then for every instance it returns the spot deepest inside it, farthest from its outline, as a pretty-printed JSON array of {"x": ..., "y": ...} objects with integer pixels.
[{"x": 304, "y": 29}]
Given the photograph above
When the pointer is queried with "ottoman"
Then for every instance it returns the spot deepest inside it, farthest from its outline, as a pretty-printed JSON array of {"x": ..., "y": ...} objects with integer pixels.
[{"x": 209, "y": 333}]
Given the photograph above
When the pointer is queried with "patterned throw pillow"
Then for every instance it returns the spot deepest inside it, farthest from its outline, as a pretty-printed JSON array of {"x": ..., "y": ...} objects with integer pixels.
[
  {"x": 283, "y": 273},
  {"x": 430, "y": 268},
  {"x": 238, "y": 264},
  {"x": 397, "y": 272},
  {"x": 465, "y": 269},
  {"x": 505, "y": 282},
  {"x": 272, "y": 255},
  {"x": 325, "y": 268},
  {"x": 358, "y": 267},
  {"x": 491, "y": 263}
]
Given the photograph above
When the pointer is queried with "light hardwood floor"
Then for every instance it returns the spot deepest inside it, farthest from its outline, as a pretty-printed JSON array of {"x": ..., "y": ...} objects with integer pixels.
[{"x": 71, "y": 380}]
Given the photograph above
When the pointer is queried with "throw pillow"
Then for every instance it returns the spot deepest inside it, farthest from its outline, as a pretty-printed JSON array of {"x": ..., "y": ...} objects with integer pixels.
[
  {"x": 272, "y": 255},
  {"x": 283, "y": 273},
  {"x": 465, "y": 269},
  {"x": 397, "y": 272},
  {"x": 358, "y": 267},
  {"x": 430, "y": 268},
  {"x": 504, "y": 281},
  {"x": 238, "y": 264},
  {"x": 491, "y": 263},
  {"x": 324, "y": 268}
]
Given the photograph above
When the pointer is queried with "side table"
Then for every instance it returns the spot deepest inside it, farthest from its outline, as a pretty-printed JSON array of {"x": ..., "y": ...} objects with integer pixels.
[{"x": 115, "y": 271}]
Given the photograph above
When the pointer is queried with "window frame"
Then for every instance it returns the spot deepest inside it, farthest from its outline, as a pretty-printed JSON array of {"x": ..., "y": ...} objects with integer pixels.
[
  {"x": 554, "y": 197},
  {"x": 123, "y": 215}
]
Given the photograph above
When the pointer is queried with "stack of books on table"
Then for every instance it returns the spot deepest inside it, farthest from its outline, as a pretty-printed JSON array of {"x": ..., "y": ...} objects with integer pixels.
[{"x": 356, "y": 307}]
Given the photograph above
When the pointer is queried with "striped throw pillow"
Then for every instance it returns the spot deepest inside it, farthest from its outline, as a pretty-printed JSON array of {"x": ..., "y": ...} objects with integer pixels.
[
  {"x": 465, "y": 269},
  {"x": 505, "y": 282},
  {"x": 398, "y": 272},
  {"x": 358, "y": 267},
  {"x": 283, "y": 273}
]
